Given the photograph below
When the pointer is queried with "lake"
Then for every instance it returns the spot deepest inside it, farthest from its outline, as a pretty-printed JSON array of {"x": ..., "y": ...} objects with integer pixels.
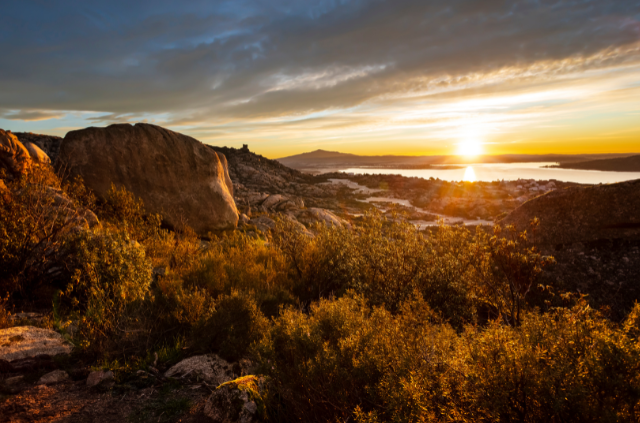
[{"x": 508, "y": 171}]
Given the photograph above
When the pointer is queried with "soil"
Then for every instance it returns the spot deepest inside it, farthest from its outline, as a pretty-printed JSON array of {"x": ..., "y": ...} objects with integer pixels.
[{"x": 73, "y": 402}]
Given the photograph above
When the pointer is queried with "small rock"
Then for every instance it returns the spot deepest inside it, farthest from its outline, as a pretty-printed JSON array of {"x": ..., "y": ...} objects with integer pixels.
[
  {"x": 99, "y": 377},
  {"x": 55, "y": 376}
]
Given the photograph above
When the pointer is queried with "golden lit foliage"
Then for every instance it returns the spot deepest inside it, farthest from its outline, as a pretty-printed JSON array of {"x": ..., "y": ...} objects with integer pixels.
[
  {"x": 345, "y": 359},
  {"x": 37, "y": 214},
  {"x": 377, "y": 322}
]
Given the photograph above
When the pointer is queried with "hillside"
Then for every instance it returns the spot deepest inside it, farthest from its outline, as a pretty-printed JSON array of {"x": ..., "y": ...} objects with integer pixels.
[{"x": 622, "y": 164}]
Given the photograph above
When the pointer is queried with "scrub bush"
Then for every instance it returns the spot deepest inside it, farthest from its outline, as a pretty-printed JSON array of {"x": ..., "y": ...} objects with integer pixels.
[
  {"x": 345, "y": 360},
  {"x": 36, "y": 218},
  {"x": 236, "y": 323},
  {"x": 110, "y": 280}
]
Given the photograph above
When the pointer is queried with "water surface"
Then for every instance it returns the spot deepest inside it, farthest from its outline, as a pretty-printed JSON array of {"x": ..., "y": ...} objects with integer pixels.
[{"x": 509, "y": 172}]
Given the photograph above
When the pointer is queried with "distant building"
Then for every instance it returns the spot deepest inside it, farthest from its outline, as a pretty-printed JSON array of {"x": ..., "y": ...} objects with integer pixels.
[{"x": 245, "y": 147}]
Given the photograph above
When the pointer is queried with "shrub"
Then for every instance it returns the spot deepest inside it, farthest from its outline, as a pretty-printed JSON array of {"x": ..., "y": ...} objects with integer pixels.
[
  {"x": 238, "y": 262},
  {"x": 111, "y": 278},
  {"x": 345, "y": 360},
  {"x": 121, "y": 208},
  {"x": 386, "y": 261},
  {"x": 236, "y": 323},
  {"x": 36, "y": 218},
  {"x": 508, "y": 268}
]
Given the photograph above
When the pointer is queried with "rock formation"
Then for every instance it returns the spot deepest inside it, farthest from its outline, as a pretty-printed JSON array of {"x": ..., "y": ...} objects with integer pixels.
[
  {"x": 37, "y": 155},
  {"x": 266, "y": 185},
  {"x": 14, "y": 157},
  {"x": 175, "y": 175},
  {"x": 583, "y": 214},
  {"x": 50, "y": 144}
]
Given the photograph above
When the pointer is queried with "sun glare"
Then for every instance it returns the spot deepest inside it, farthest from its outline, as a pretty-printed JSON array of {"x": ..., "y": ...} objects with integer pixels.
[
  {"x": 470, "y": 147},
  {"x": 469, "y": 175}
]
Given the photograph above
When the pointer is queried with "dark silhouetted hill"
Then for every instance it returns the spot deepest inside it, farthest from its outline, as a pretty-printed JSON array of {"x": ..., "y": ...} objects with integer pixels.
[{"x": 622, "y": 164}]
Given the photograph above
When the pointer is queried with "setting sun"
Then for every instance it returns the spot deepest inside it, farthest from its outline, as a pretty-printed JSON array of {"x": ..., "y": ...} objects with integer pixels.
[{"x": 470, "y": 148}]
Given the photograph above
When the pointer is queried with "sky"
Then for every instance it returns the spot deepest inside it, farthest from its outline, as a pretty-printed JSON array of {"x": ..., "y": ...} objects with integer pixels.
[{"x": 410, "y": 77}]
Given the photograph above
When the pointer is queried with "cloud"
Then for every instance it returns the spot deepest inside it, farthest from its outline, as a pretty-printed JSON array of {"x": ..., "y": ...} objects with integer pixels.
[
  {"x": 233, "y": 66},
  {"x": 30, "y": 115}
]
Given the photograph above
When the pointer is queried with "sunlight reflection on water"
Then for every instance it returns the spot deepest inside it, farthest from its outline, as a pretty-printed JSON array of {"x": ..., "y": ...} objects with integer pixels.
[{"x": 469, "y": 175}]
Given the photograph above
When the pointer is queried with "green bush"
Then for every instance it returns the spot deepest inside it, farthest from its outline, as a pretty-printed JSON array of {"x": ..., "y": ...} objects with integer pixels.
[
  {"x": 111, "y": 278},
  {"x": 238, "y": 262},
  {"x": 386, "y": 261},
  {"x": 236, "y": 323}
]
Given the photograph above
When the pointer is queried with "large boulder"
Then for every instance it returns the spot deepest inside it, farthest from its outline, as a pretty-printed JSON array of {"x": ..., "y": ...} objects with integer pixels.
[
  {"x": 14, "y": 157},
  {"x": 36, "y": 153},
  {"x": 49, "y": 144},
  {"x": 175, "y": 175},
  {"x": 582, "y": 214},
  {"x": 27, "y": 341}
]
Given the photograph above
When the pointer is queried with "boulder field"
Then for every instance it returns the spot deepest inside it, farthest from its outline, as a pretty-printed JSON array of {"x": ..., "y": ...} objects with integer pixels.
[{"x": 175, "y": 175}]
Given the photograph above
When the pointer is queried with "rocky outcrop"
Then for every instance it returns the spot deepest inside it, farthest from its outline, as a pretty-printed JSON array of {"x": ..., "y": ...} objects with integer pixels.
[
  {"x": 49, "y": 144},
  {"x": 14, "y": 157},
  {"x": 582, "y": 214},
  {"x": 269, "y": 186},
  {"x": 27, "y": 341},
  {"x": 175, "y": 175}
]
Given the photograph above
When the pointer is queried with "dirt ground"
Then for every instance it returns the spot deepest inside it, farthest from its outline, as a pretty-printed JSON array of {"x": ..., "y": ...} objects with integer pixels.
[{"x": 73, "y": 402}]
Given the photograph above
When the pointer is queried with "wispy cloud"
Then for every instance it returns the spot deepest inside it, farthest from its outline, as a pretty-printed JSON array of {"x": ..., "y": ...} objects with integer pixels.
[{"x": 30, "y": 115}]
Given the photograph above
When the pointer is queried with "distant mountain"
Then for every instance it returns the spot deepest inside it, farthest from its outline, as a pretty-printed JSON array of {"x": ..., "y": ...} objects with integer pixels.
[
  {"x": 323, "y": 158},
  {"x": 337, "y": 160},
  {"x": 622, "y": 164}
]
